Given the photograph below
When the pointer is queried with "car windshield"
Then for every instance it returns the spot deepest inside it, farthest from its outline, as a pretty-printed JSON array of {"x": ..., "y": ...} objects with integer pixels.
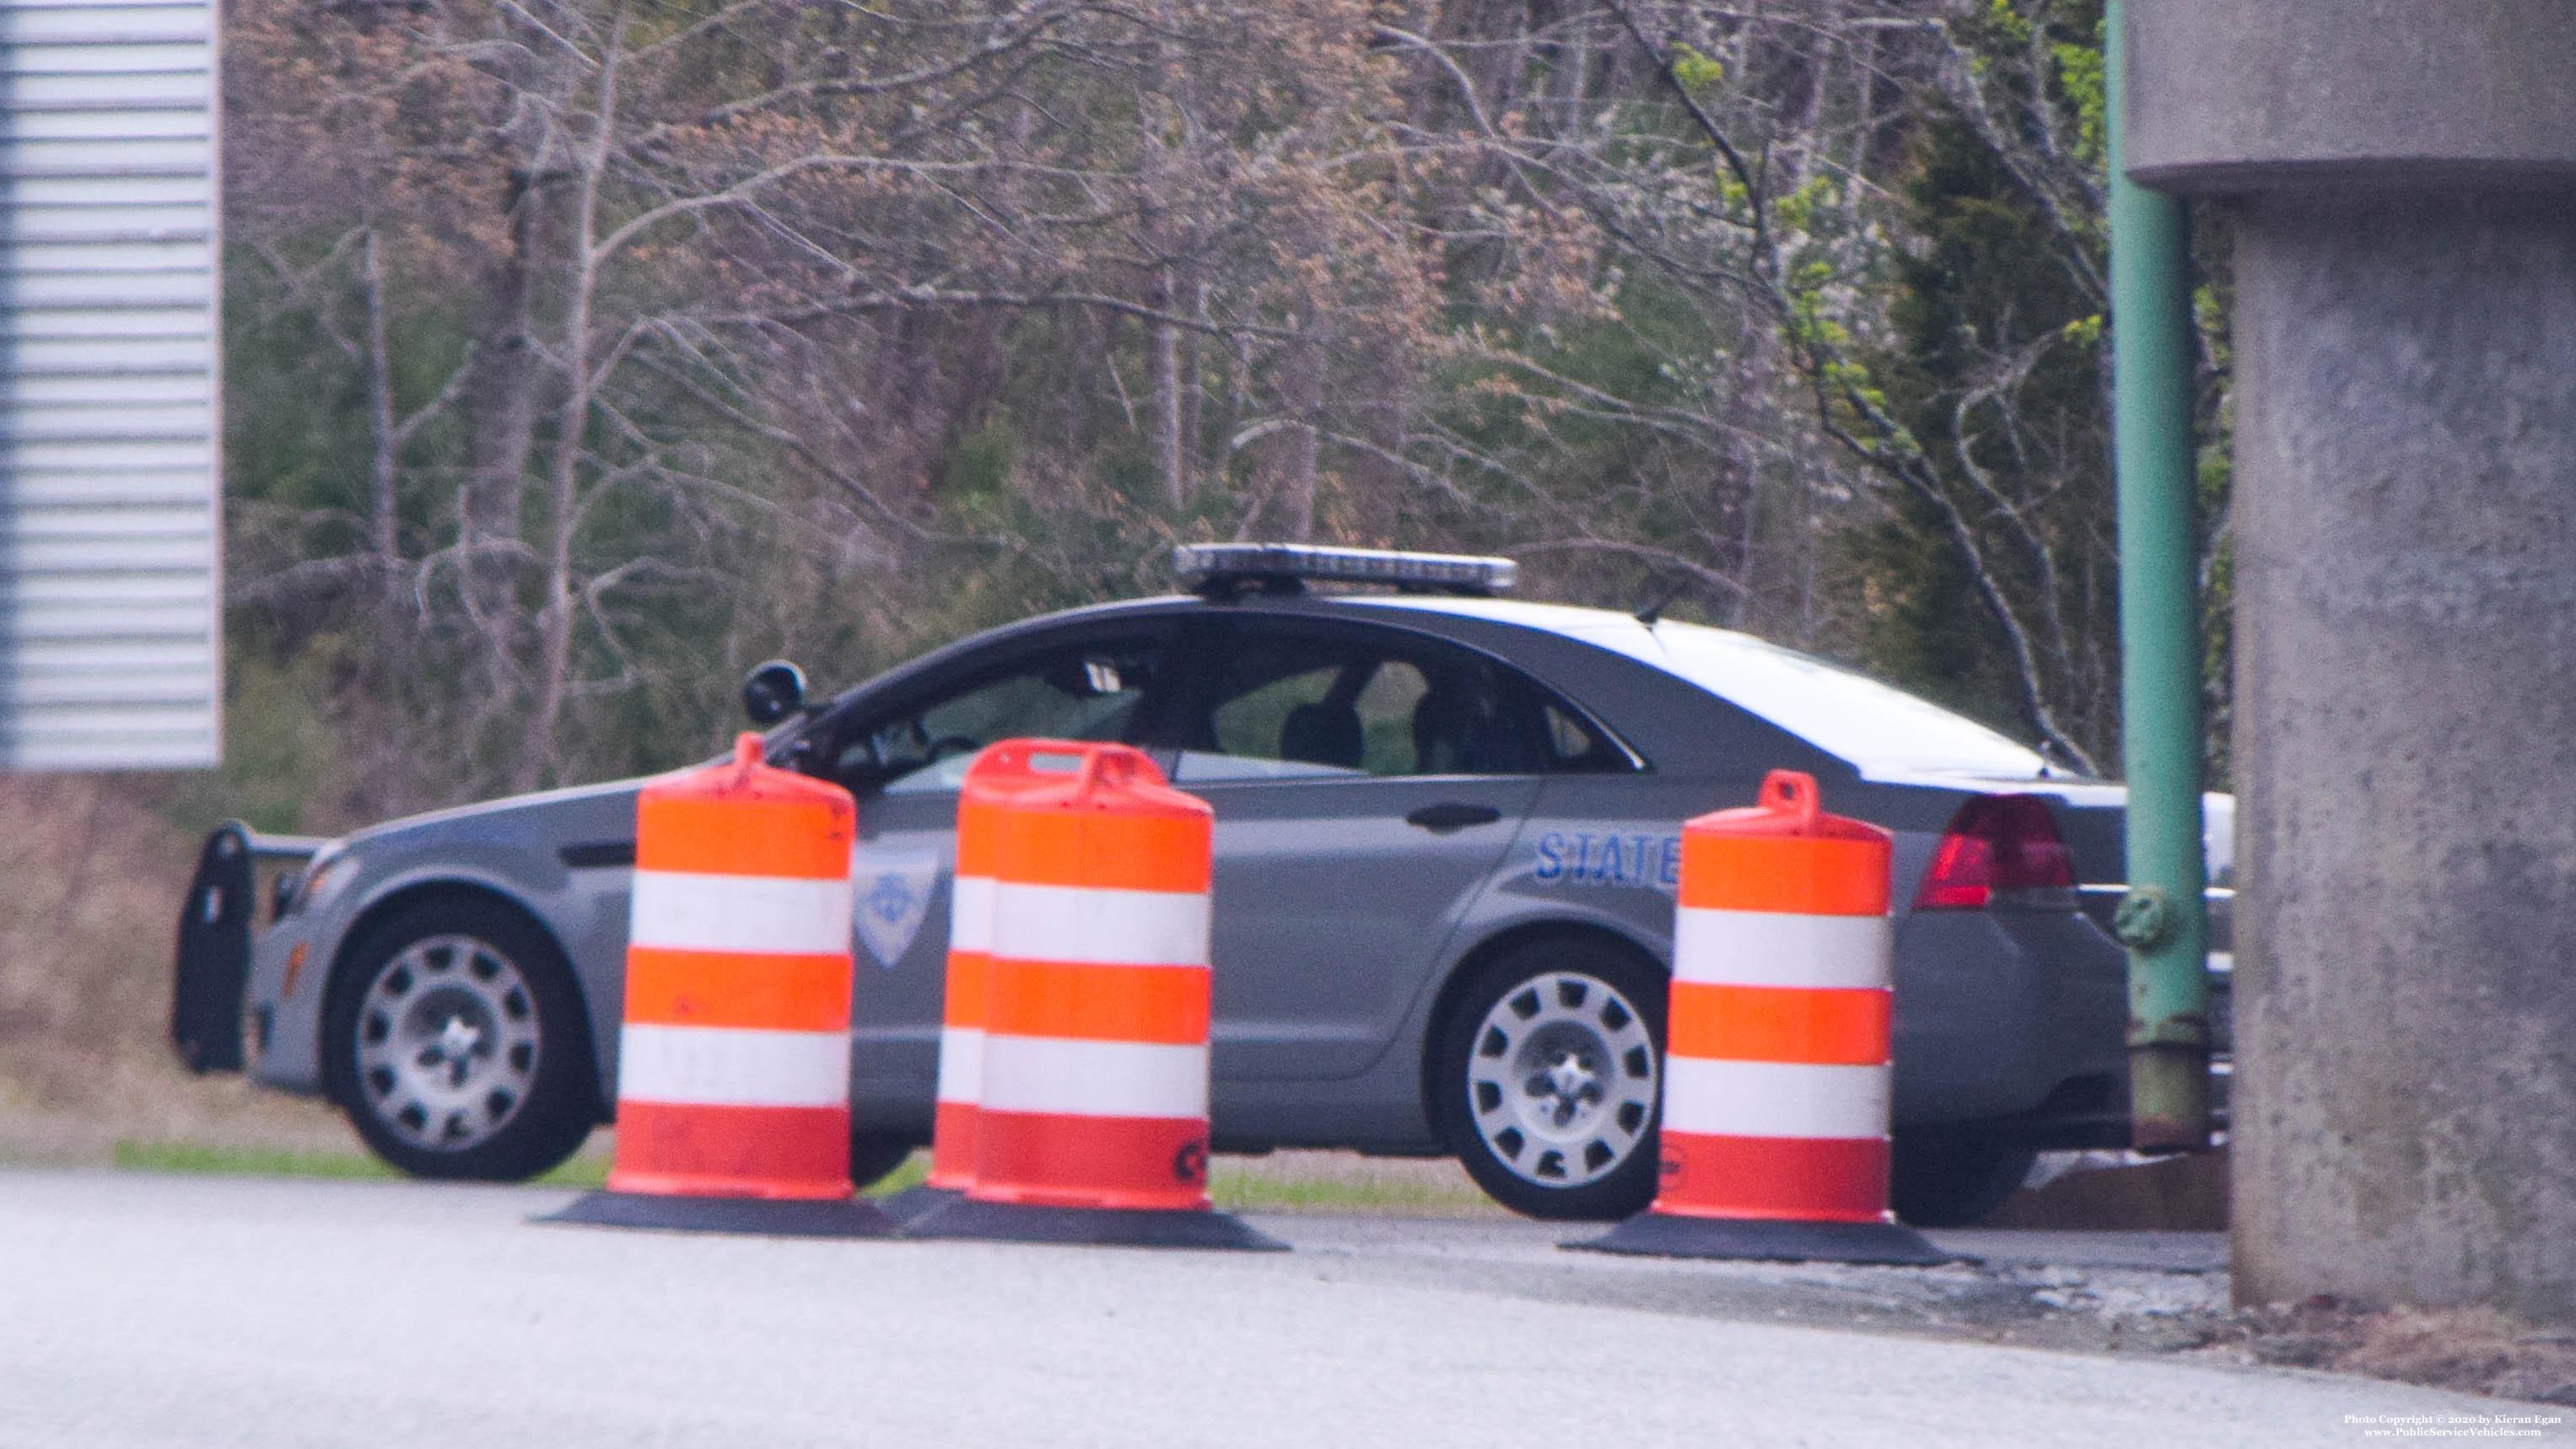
[{"x": 1875, "y": 727}]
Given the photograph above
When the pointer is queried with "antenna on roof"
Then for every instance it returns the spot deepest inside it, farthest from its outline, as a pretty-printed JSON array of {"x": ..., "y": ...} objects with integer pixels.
[{"x": 1680, "y": 585}]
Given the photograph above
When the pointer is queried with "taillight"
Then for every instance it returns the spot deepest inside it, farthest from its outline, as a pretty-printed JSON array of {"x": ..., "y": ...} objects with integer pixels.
[{"x": 1995, "y": 843}]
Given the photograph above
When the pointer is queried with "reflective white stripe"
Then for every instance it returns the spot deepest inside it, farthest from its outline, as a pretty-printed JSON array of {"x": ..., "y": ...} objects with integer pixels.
[
  {"x": 740, "y": 913},
  {"x": 732, "y": 1066},
  {"x": 961, "y": 1063},
  {"x": 1106, "y": 927},
  {"x": 1094, "y": 1078},
  {"x": 970, "y": 914},
  {"x": 1774, "y": 1099},
  {"x": 1764, "y": 948}
]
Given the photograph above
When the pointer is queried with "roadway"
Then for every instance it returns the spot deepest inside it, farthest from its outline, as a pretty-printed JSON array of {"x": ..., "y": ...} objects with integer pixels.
[{"x": 149, "y": 1310}]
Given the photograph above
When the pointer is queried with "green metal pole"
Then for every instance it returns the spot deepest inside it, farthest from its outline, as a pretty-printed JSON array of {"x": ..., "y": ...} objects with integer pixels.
[{"x": 2162, "y": 921}]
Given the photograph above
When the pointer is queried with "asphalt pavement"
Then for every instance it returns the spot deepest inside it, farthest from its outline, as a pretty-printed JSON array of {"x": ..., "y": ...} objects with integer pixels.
[{"x": 150, "y": 1310}]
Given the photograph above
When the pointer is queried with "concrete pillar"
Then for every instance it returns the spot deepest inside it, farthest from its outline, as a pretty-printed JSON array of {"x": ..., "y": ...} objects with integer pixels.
[{"x": 2403, "y": 176}]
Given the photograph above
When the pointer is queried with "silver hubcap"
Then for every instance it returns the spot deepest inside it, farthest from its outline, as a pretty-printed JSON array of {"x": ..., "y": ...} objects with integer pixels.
[
  {"x": 447, "y": 1043},
  {"x": 1562, "y": 1079}
]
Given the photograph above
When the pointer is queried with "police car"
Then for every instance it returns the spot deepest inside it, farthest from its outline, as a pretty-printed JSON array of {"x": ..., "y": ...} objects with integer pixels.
[{"x": 1447, "y": 833}]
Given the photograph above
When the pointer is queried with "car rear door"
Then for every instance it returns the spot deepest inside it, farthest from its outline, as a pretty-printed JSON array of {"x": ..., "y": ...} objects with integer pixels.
[{"x": 1366, "y": 782}]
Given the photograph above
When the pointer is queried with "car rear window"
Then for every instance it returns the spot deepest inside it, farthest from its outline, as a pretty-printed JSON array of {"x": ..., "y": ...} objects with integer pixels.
[{"x": 1852, "y": 717}]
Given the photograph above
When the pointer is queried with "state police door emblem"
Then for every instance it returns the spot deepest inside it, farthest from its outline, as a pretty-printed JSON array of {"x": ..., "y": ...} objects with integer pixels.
[{"x": 893, "y": 890}]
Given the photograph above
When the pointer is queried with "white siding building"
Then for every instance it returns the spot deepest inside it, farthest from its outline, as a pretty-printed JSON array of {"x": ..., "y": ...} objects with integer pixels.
[{"x": 110, "y": 507}]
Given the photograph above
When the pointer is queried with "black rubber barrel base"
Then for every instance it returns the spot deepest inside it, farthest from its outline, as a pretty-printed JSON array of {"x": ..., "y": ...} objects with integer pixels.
[
  {"x": 1671, "y": 1235},
  {"x": 918, "y": 1201},
  {"x": 1010, "y": 1222},
  {"x": 775, "y": 1217}
]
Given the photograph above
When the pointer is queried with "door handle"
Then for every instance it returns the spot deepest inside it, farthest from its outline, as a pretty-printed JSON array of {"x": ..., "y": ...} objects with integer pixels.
[{"x": 1451, "y": 815}]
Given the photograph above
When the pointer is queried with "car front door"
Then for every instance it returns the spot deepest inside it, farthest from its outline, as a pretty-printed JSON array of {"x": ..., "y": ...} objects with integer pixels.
[
  {"x": 904, "y": 756},
  {"x": 1366, "y": 783}
]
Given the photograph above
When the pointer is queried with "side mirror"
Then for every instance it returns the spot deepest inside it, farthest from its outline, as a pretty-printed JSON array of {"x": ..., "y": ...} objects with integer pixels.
[{"x": 773, "y": 692}]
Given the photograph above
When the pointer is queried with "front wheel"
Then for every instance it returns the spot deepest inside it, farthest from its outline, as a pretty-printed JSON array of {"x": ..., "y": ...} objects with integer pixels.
[
  {"x": 456, "y": 1042},
  {"x": 1545, "y": 1074}
]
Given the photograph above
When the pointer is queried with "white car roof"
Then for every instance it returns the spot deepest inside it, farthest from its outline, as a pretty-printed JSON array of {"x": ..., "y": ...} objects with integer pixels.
[{"x": 1881, "y": 730}]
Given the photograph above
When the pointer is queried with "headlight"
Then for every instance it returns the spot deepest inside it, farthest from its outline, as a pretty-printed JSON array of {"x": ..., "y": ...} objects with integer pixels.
[{"x": 324, "y": 878}]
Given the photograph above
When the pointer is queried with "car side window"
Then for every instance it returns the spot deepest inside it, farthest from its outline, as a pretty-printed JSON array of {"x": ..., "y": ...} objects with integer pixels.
[
  {"x": 1250, "y": 720},
  {"x": 1085, "y": 691},
  {"x": 1288, "y": 704},
  {"x": 1575, "y": 746}
]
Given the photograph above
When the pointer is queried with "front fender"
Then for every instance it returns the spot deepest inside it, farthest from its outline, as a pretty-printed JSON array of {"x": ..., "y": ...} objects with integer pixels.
[{"x": 585, "y": 918}]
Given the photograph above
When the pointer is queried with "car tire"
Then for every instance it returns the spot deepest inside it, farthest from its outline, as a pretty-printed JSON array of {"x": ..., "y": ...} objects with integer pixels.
[
  {"x": 875, "y": 1155},
  {"x": 1545, "y": 1075},
  {"x": 1953, "y": 1180},
  {"x": 456, "y": 1041}
]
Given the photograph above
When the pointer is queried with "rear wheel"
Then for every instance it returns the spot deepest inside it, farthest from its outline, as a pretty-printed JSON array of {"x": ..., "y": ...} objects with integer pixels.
[
  {"x": 456, "y": 1042},
  {"x": 1545, "y": 1074},
  {"x": 1952, "y": 1179}
]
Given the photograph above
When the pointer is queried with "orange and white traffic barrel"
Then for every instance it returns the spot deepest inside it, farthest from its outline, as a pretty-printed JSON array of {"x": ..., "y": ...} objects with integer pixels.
[
  {"x": 970, "y": 946},
  {"x": 1777, "y": 1064},
  {"x": 733, "y": 1064},
  {"x": 1091, "y": 1119}
]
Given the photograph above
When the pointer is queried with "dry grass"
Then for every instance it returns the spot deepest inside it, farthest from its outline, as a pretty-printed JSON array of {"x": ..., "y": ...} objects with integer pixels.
[
  {"x": 2471, "y": 1350},
  {"x": 91, "y": 878},
  {"x": 2478, "y": 1349},
  {"x": 86, "y": 924}
]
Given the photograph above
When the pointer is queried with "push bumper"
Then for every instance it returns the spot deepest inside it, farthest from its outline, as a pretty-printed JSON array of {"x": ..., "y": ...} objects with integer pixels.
[{"x": 213, "y": 965}]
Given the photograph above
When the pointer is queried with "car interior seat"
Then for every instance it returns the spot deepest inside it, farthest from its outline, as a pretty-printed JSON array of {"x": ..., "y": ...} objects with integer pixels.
[
  {"x": 1445, "y": 733},
  {"x": 1326, "y": 732}
]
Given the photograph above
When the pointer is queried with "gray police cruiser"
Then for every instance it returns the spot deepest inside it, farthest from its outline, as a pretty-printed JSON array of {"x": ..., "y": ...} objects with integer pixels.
[{"x": 1447, "y": 832}]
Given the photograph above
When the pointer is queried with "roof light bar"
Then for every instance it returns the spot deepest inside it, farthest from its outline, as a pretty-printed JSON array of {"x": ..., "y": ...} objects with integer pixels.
[{"x": 1225, "y": 569}]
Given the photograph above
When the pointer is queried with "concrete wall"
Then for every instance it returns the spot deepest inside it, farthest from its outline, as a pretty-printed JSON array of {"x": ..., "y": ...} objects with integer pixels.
[
  {"x": 2406, "y": 746},
  {"x": 2234, "y": 96},
  {"x": 2404, "y": 181}
]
